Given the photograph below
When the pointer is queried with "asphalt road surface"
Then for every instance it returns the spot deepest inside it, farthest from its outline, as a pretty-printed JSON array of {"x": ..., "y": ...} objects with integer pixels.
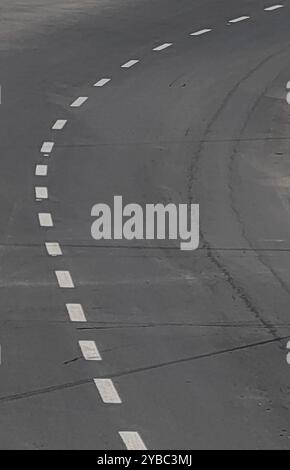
[{"x": 119, "y": 344}]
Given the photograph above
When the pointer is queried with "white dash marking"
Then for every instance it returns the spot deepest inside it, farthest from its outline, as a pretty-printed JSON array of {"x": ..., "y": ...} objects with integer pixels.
[
  {"x": 64, "y": 279},
  {"x": 41, "y": 170},
  {"x": 53, "y": 249},
  {"x": 162, "y": 46},
  {"x": 59, "y": 124},
  {"x": 288, "y": 355},
  {"x": 107, "y": 391},
  {"x": 240, "y": 18},
  {"x": 200, "y": 32},
  {"x": 45, "y": 219},
  {"x": 76, "y": 313},
  {"x": 47, "y": 147},
  {"x": 90, "y": 351},
  {"x": 79, "y": 101},
  {"x": 132, "y": 440},
  {"x": 41, "y": 192},
  {"x": 102, "y": 82},
  {"x": 273, "y": 7},
  {"x": 129, "y": 64}
]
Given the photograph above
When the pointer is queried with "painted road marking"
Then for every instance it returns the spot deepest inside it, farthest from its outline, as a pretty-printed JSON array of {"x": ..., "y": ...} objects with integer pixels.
[
  {"x": 76, "y": 312},
  {"x": 132, "y": 440},
  {"x": 45, "y": 219},
  {"x": 107, "y": 391},
  {"x": 288, "y": 93},
  {"x": 199, "y": 33},
  {"x": 79, "y": 101},
  {"x": 53, "y": 249},
  {"x": 273, "y": 7},
  {"x": 162, "y": 47},
  {"x": 41, "y": 170},
  {"x": 41, "y": 192},
  {"x": 129, "y": 64},
  {"x": 288, "y": 355},
  {"x": 102, "y": 82},
  {"x": 90, "y": 350},
  {"x": 64, "y": 279},
  {"x": 240, "y": 18},
  {"x": 59, "y": 124},
  {"x": 47, "y": 147}
]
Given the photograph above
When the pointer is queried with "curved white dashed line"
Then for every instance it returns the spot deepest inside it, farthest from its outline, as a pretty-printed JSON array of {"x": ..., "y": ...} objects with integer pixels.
[{"x": 90, "y": 352}]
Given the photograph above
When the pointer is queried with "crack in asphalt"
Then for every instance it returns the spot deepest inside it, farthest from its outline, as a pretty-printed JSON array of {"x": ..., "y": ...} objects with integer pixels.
[
  {"x": 86, "y": 381},
  {"x": 238, "y": 289},
  {"x": 147, "y": 248},
  {"x": 235, "y": 210},
  {"x": 110, "y": 326}
]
